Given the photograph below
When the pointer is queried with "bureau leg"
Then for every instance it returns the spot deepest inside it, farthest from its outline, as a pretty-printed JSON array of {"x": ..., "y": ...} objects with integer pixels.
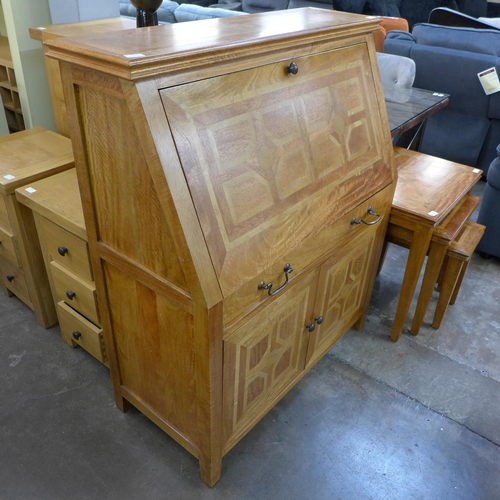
[
  {"x": 5, "y": 290},
  {"x": 210, "y": 470}
]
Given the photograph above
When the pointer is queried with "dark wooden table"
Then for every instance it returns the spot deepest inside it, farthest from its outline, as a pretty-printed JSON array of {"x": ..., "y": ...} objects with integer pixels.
[{"x": 407, "y": 108}]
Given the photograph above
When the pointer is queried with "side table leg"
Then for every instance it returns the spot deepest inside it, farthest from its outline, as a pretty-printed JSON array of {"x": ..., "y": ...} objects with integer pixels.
[
  {"x": 437, "y": 253},
  {"x": 418, "y": 249}
]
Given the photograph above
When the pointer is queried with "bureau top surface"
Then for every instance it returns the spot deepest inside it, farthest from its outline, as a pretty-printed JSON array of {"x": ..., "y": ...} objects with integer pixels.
[
  {"x": 143, "y": 52},
  {"x": 428, "y": 188},
  {"x": 57, "y": 198},
  {"x": 30, "y": 155}
]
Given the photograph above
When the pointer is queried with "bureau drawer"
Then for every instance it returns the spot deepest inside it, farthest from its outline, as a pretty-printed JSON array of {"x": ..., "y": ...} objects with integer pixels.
[
  {"x": 4, "y": 218},
  {"x": 76, "y": 328},
  {"x": 77, "y": 293},
  {"x": 14, "y": 280},
  {"x": 8, "y": 247},
  {"x": 248, "y": 297},
  {"x": 70, "y": 251}
]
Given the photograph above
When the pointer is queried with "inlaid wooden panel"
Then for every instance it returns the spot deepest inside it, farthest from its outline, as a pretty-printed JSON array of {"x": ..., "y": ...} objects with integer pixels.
[
  {"x": 272, "y": 158},
  {"x": 8, "y": 247},
  {"x": 129, "y": 216},
  {"x": 265, "y": 354},
  {"x": 154, "y": 343},
  {"x": 341, "y": 292}
]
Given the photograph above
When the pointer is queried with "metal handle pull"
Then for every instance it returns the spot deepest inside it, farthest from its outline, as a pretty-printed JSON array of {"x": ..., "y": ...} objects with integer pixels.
[
  {"x": 292, "y": 68},
  {"x": 262, "y": 286},
  {"x": 370, "y": 211},
  {"x": 76, "y": 335},
  {"x": 62, "y": 251},
  {"x": 70, "y": 295},
  {"x": 10, "y": 278},
  {"x": 311, "y": 326}
]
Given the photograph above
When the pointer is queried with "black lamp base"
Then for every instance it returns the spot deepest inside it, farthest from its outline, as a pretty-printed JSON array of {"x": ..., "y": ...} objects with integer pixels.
[{"x": 145, "y": 18}]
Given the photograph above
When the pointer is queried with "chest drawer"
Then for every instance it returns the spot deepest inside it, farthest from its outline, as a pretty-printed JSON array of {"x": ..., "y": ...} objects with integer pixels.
[
  {"x": 77, "y": 293},
  {"x": 4, "y": 218},
  {"x": 249, "y": 296},
  {"x": 79, "y": 330},
  {"x": 68, "y": 250},
  {"x": 14, "y": 279},
  {"x": 8, "y": 247}
]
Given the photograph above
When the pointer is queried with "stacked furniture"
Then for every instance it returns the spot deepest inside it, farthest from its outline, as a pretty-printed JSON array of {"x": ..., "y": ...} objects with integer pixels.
[
  {"x": 26, "y": 157},
  {"x": 235, "y": 205},
  {"x": 448, "y": 59},
  {"x": 58, "y": 213}
]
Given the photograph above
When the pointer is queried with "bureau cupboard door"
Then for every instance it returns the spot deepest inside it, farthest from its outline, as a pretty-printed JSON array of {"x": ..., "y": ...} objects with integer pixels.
[
  {"x": 341, "y": 292},
  {"x": 266, "y": 355}
]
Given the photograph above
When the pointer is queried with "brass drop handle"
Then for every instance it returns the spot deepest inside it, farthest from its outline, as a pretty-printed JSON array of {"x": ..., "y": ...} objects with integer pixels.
[
  {"x": 370, "y": 211},
  {"x": 311, "y": 326},
  {"x": 76, "y": 335},
  {"x": 71, "y": 295},
  {"x": 62, "y": 251},
  {"x": 10, "y": 278},
  {"x": 292, "y": 68},
  {"x": 262, "y": 286}
]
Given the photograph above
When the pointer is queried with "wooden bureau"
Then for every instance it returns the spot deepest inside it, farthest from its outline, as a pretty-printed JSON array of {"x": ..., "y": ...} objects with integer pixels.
[
  {"x": 236, "y": 176},
  {"x": 24, "y": 158},
  {"x": 58, "y": 214}
]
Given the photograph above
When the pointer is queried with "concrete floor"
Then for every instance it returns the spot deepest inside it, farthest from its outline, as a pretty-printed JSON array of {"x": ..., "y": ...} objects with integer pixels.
[{"x": 416, "y": 419}]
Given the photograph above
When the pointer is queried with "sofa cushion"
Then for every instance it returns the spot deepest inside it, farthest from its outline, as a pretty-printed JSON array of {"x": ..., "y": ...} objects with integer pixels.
[
  {"x": 191, "y": 12},
  {"x": 467, "y": 39}
]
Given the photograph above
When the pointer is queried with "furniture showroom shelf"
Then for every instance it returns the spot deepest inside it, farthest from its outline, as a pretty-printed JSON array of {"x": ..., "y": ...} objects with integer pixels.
[{"x": 8, "y": 89}]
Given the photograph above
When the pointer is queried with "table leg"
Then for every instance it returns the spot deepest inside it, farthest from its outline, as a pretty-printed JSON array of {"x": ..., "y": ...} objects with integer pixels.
[
  {"x": 435, "y": 259},
  {"x": 418, "y": 249}
]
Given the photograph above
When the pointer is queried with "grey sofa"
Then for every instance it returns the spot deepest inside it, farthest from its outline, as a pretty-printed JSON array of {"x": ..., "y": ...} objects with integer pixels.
[
  {"x": 448, "y": 60},
  {"x": 489, "y": 210}
]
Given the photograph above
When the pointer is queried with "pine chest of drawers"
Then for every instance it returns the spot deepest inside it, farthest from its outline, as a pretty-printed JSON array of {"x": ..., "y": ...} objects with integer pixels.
[
  {"x": 58, "y": 214},
  {"x": 236, "y": 178},
  {"x": 26, "y": 157}
]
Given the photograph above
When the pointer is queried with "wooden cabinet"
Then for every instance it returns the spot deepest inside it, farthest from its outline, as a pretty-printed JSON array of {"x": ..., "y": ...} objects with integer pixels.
[
  {"x": 26, "y": 157},
  {"x": 8, "y": 89},
  {"x": 57, "y": 208},
  {"x": 236, "y": 205}
]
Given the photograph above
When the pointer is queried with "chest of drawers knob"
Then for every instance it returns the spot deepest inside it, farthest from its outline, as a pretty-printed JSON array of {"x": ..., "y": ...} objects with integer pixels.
[
  {"x": 62, "y": 251},
  {"x": 292, "y": 68},
  {"x": 71, "y": 295},
  {"x": 10, "y": 278},
  {"x": 76, "y": 335}
]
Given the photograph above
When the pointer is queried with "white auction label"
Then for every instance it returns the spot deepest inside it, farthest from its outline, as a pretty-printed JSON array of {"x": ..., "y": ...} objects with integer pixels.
[
  {"x": 9, "y": 177},
  {"x": 31, "y": 190},
  {"x": 489, "y": 80}
]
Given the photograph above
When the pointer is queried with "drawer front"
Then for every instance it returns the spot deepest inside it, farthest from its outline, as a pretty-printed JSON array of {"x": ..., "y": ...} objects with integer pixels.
[
  {"x": 77, "y": 293},
  {"x": 264, "y": 355},
  {"x": 77, "y": 329},
  {"x": 4, "y": 218},
  {"x": 334, "y": 236},
  {"x": 8, "y": 247},
  {"x": 68, "y": 250},
  {"x": 14, "y": 279},
  {"x": 276, "y": 157}
]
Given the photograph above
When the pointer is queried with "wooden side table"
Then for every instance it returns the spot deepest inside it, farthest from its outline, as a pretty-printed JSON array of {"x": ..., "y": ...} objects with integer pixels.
[
  {"x": 57, "y": 208},
  {"x": 24, "y": 158},
  {"x": 427, "y": 191}
]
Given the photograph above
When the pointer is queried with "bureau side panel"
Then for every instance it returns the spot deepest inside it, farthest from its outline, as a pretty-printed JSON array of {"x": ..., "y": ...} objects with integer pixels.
[{"x": 126, "y": 207}]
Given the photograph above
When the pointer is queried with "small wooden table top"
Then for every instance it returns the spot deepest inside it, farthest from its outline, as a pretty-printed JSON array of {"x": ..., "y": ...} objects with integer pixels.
[{"x": 428, "y": 189}]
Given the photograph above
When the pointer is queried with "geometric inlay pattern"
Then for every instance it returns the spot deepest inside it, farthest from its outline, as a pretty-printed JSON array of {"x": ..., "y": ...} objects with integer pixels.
[{"x": 256, "y": 143}]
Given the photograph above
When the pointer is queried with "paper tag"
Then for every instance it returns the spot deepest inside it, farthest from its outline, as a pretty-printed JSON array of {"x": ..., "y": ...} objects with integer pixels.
[
  {"x": 433, "y": 214},
  {"x": 489, "y": 80},
  {"x": 437, "y": 94},
  {"x": 476, "y": 171},
  {"x": 31, "y": 190},
  {"x": 8, "y": 177},
  {"x": 133, "y": 56},
  {"x": 41, "y": 28}
]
